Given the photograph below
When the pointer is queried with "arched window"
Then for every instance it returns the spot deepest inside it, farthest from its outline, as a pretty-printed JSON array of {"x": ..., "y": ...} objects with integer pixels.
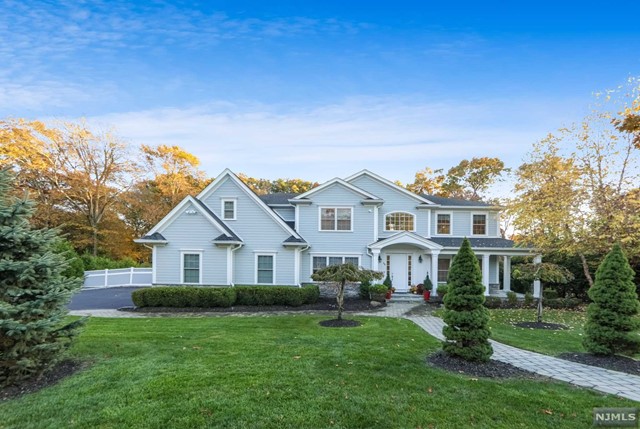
[{"x": 399, "y": 221}]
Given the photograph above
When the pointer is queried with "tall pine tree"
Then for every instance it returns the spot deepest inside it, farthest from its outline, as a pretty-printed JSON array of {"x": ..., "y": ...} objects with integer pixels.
[
  {"x": 33, "y": 292},
  {"x": 466, "y": 333},
  {"x": 611, "y": 317}
]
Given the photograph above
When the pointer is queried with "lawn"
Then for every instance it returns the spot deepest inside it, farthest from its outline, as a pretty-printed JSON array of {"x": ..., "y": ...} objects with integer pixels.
[
  {"x": 539, "y": 340},
  {"x": 283, "y": 372}
]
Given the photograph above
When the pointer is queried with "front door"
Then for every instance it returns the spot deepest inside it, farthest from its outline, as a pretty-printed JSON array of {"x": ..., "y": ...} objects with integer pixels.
[{"x": 399, "y": 271}]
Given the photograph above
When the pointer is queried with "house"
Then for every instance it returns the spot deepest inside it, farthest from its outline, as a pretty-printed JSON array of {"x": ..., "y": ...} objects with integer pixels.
[{"x": 229, "y": 235}]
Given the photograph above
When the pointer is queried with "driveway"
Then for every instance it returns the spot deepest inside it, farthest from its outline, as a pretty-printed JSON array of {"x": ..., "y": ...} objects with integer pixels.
[{"x": 108, "y": 298}]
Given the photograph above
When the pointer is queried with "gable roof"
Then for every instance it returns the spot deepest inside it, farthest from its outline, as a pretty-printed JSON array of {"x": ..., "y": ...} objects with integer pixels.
[
  {"x": 390, "y": 184},
  {"x": 199, "y": 206},
  {"x": 406, "y": 237},
  {"x": 337, "y": 181},
  {"x": 456, "y": 201},
  {"x": 268, "y": 210}
]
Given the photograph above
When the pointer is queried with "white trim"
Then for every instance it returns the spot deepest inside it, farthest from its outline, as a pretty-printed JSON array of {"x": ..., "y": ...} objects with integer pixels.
[
  {"x": 151, "y": 242},
  {"x": 228, "y": 173},
  {"x": 406, "y": 237},
  {"x": 273, "y": 271},
  {"x": 229, "y": 266},
  {"x": 296, "y": 265},
  {"x": 198, "y": 252},
  {"x": 398, "y": 230},
  {"x": 486, "y": 224},
  {"x": 428, "y": 224},
  {"x": 498, "y": 225},
  {"x": 335, "y": 207},
  {"x": 235, "y": 207},
  {"x": 444, "y": 212},
  {"x": 296, "y": 218},
  {"x": 338, "y": 181},
  {"x": 389, "y": 184},
  {"x": 375, "y": 222},
  {"x": 485, "y": 273}
]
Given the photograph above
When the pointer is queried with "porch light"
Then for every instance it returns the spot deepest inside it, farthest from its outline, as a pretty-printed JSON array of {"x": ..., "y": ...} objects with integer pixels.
[
  {"x": 420, "y": 258},
  {"x": 379, "y": 258}
]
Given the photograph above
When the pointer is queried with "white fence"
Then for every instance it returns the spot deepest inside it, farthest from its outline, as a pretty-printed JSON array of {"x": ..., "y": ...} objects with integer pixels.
[{"x": 117, "y": 277}]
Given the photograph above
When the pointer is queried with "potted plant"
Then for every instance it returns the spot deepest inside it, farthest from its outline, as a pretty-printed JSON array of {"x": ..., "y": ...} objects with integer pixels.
[
  {"x": 387, "y": 282},
  {"x": 426, "y": 287}
]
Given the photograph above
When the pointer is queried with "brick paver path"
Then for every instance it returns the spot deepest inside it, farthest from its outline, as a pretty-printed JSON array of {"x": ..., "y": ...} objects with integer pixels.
[{"x": 603, "y": 380}]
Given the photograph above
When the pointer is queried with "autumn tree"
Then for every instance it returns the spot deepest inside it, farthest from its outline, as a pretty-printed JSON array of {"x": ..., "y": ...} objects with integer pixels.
[
  {"x": 340, "y": 275},
  {"x": 427, "y": 181},
  {"x": 578, "y": 191},
  {"x": 266, "y": 186}
]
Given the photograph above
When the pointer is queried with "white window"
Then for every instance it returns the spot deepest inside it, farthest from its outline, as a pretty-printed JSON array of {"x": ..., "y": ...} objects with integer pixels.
[
  {"x": 399, "y": 221},
  {"x": 443, "y": 270},
  {"x": 265, "y": 269},
  {"x": 228, "y": 209},
  {"x": 336, "y": 218},
  {"x": 320, "y": 262},
  {"x": 191, "y": 264},
  {"x": 443, "y": 223},
  {"x": 478, "y": 224}
]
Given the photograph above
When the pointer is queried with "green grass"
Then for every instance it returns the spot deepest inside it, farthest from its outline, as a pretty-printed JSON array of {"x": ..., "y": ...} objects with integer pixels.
[
  {"x": 283, "y": 372},
  {"x": 539, "y": 340}
]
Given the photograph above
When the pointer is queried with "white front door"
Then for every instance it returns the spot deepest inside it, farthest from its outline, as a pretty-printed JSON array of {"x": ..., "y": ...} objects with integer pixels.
[{"x": 398, "y": 270}]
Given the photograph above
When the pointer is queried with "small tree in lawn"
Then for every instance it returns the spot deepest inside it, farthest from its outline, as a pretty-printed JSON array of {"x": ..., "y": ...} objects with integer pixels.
[
  {"x": 545, "y": 272},
  {"x": 33, "y": 292},
  {"x": 466, "y": 333},
  {"x": 340, "y": 275},
  {"x": 611, "y": 317}
]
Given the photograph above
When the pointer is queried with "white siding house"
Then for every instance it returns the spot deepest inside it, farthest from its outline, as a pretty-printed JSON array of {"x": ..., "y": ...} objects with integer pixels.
[{"x": 228, "y": 235}]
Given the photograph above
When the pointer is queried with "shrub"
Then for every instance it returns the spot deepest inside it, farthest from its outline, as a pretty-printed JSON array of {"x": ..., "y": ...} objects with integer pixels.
[
  {"x": 442, "y": 290},
  {"x": 364, "y": 289},
  {"x": 567, "y": 303},
  {"x": 387, "y": 282},
  {"x": 611, "y": 317},
  {"x": 466, "y": 333},
  {"x": 91, "y": 262},
  {"x": 378, "y": 292},
  {"x": 277, "y": 295},
  {"x": 512, "y": 298},
  {"x": 493, "y": 302},
  {"x": 75, "y": 268},
  {"x": 550, "y": 294},
  {"x": 427, "y": 284},
  {"x": 528, "y": 299},
  {"x": 184, "y": 296}
]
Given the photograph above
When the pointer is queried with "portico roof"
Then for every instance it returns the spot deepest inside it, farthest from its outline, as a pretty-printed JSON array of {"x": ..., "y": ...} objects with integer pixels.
[{"x": 405, "y": 237}]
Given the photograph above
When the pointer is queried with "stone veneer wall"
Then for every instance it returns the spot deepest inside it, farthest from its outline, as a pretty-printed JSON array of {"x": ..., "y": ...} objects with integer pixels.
[{"x": 329, "y": 290}]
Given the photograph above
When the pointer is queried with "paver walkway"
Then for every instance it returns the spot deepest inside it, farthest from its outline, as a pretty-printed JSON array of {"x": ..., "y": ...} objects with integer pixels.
[{"x": 603, "y": 380}]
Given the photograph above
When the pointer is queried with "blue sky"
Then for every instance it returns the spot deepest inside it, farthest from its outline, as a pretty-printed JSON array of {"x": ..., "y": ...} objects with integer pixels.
[{"x": 317, "y": 89}]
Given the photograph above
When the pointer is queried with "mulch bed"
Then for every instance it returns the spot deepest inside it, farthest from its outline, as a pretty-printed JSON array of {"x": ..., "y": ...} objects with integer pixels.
[
  {"x": 615, "y": 363},
  {"x": 541, "y": 325},
  {"x": 491, "y": 369},
  {"x": 328, "y": 304},
  {"x": 344, "y": 323},
  {"x": 64, "y": 369}
]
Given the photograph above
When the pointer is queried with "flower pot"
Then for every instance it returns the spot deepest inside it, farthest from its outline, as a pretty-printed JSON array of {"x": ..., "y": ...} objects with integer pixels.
[
  {"x": 427, "y": 295},
  {"x": 388, "y": 295}
]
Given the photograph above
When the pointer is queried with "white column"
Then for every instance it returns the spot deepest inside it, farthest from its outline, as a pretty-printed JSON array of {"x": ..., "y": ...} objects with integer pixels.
[
  {"x": 229, "y": 266},
  {"x": 296, "y": 266},
  {"x": 485, "y": 273},
  {"x": 154, "y": 264},
  {"x": 506, "y": 281},
  {"x": 375, "y": 224},
  {"x": 434, "y": 271},
  {"x": 374, "y": 259},
  {"x": 536, "y": 283}
]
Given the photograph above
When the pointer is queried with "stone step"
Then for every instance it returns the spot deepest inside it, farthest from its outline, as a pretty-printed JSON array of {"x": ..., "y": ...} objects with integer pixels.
[{"x": 406, "y": 297}]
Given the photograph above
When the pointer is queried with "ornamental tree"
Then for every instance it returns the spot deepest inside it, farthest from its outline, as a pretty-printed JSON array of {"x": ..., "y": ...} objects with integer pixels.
[
  {"x": 466, "y": 333},
  {"x": 611, "y": 317},
  {"x": 339, "y": 275},
  {"x": 33, "y": 292}
]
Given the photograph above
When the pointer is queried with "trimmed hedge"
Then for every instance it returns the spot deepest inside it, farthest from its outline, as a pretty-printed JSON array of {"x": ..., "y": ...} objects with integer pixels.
[{"x": 207, "y": 297}]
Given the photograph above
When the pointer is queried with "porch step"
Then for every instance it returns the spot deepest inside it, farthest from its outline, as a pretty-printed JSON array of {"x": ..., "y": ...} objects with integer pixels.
[{"x": 406, "y": 297}]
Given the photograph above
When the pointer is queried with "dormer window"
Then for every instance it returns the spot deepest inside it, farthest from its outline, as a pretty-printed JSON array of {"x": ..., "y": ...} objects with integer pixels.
[
  {"x": 479, "y": 224},
  {"x": 229, "y": 209},
  {"x": 399, "y": 221}
]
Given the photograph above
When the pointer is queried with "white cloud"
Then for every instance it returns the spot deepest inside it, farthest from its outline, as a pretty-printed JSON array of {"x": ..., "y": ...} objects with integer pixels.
[{"x": 390, "y": 136}]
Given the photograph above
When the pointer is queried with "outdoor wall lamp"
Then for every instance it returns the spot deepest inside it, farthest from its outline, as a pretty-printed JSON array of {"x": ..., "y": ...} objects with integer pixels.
[
  {"x": 379, "y": 258},
  {"x": 420, "y": 258}
]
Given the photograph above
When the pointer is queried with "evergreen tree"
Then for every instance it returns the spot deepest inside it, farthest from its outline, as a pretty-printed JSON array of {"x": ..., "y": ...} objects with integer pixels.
[
  {"x": 611, "y": 317},
  {"x": 33, "y": 292},
  {"x": 466, "y": 333}
]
